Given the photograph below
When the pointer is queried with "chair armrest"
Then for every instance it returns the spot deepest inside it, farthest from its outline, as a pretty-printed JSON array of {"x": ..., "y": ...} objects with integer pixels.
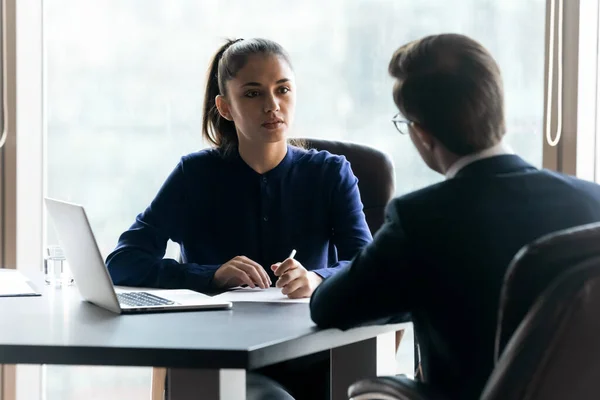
[{"x": 392, "y": 388}]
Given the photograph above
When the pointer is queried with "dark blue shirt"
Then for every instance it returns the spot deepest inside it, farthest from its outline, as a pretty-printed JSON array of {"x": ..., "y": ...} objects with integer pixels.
[{"x": 216, "y": 208}]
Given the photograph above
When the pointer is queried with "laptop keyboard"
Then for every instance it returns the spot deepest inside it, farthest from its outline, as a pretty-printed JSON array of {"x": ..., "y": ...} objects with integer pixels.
[{"x": 142, "y": 299}]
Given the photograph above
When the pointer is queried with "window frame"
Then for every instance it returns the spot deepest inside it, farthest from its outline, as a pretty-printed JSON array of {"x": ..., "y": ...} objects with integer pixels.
[
  {"x": 23, "y": 185},
  {"x": 575, "y": 153},
  {"x": 8, "y": 170}
]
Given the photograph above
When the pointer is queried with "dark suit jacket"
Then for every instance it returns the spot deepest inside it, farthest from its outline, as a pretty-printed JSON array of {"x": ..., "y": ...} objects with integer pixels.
[{"x": 442, "y": 255}]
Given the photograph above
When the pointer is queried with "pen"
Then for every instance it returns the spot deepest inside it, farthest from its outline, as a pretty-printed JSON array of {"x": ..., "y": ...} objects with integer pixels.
[{"x": 292, "y": 254}]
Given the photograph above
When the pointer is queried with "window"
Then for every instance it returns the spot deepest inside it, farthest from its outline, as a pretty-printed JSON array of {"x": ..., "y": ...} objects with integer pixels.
[{"x": 124, "y": 83}]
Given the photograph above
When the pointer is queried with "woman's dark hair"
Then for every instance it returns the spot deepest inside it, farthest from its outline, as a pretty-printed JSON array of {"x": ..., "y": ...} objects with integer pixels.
[
  {"x": 451, "y": 86},
  {"x": 226, "y": 63}
]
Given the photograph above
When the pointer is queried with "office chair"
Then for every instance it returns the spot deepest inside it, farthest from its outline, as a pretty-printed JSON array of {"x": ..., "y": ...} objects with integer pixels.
[
  {"x": 552, "y": 351},
  {"x": 374, "y": 170},
  {"x": 534, "y": 268}
]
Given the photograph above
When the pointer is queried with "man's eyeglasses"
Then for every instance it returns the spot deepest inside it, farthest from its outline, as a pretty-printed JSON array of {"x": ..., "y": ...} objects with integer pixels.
[{"x": 401, "y": 123}]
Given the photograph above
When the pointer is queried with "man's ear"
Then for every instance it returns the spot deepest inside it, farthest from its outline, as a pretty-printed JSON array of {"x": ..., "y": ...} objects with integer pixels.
[
  {"x": 223, "y": 107},
  {"x": 423, "y": 136}
]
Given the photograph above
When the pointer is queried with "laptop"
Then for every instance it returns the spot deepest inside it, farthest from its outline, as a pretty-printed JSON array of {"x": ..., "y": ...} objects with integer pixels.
[{"x": 93, "y": 280}]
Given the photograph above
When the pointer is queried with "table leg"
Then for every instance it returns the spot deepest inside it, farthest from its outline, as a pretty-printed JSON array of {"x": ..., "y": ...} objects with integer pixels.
[
  {"x": 209, "y": 384},
  {"x": 158, "y": 383},
  {"x": 399, "y": 336},
  {"x": 369, "y": 358}
]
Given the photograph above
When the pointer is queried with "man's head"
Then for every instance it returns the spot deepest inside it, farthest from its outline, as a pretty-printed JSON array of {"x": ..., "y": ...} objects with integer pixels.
[{"x": 450, "y": 89}]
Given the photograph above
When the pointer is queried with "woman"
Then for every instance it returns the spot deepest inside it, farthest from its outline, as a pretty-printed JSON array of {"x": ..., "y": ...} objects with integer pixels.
[
  {"x": 237, "y": 210},
  {"x": 240, "y": 208}
]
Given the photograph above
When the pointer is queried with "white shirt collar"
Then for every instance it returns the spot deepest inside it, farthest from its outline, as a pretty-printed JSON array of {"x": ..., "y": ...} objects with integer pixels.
[{"x": 496, "y": 150}]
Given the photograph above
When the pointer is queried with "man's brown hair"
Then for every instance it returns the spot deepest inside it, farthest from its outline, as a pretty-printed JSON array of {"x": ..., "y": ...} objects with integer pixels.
[{"x": 451, "y": 86}]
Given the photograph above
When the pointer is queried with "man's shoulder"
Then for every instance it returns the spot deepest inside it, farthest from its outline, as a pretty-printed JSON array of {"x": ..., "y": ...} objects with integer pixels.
[
  {"x": 573, "y": 182},
  {"x": 422, "y": 197},
  {"x": 447, "y": 193}
]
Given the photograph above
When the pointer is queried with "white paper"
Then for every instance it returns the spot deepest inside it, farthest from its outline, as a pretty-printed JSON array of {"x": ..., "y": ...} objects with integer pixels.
[
  {"x": 269, "y": 295},
  {"x": 13, "y": 283}
]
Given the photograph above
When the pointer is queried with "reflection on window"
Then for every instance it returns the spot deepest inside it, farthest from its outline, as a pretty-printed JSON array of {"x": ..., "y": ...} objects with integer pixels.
[{"x": 125, "y": 81}]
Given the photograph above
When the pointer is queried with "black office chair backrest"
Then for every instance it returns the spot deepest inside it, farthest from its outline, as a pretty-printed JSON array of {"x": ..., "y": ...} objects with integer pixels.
[
  {"x": 535, "y": 267},
  {"x": 555, "y": 352},
  {"x": 374, "y": 170}
]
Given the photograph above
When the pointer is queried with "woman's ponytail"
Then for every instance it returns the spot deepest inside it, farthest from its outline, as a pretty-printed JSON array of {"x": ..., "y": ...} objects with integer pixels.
[{"x": 216, "y": 129}]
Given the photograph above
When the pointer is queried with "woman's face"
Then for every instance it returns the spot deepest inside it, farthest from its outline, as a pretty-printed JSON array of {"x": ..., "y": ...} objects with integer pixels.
[{"x": 260, "y": 100}]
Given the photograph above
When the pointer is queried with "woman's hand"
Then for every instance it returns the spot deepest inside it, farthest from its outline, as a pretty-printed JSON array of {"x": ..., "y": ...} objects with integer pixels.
[
  {"x": 239, "y": 271},
  {"x": 294, "y": 280}
]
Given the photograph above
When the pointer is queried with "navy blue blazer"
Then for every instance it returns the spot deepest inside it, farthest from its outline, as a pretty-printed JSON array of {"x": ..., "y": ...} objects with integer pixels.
[{"x": 442, "y": 255}]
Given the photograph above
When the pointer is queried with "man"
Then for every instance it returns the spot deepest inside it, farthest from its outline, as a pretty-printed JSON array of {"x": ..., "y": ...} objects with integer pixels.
[{"x": 443, "y": 250}]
